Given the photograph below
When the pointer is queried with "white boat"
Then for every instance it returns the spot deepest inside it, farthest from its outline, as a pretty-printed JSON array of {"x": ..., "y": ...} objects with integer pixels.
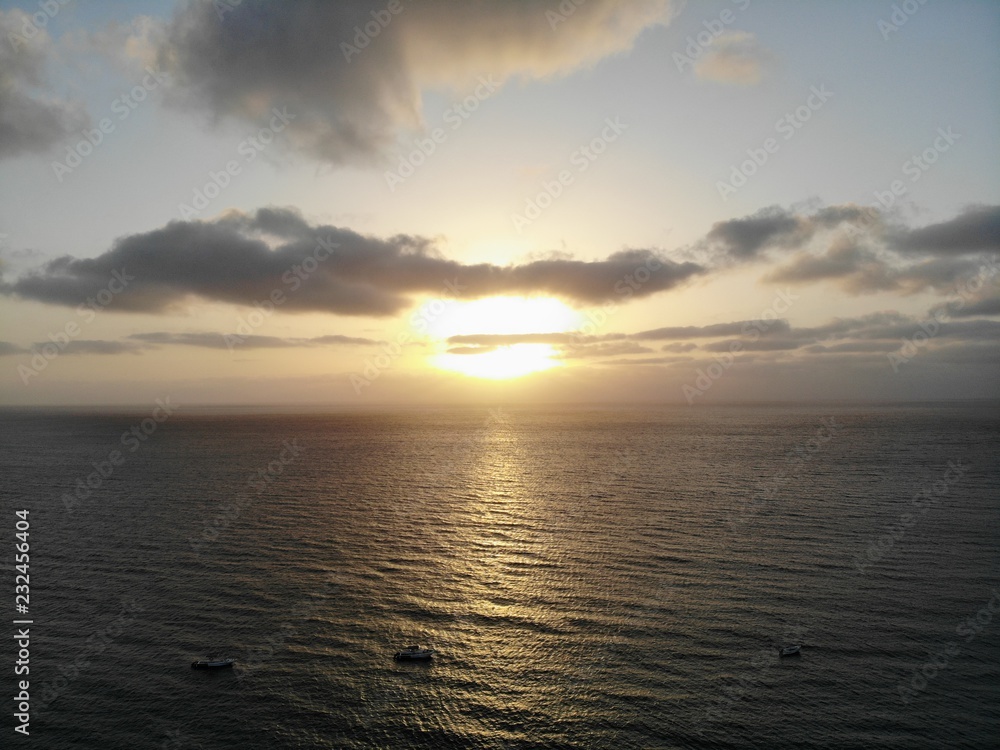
[
  {"x": 212, "y": 663},
  {"x": 414, "y": 653},
  {"x": 790, "y": 651}
]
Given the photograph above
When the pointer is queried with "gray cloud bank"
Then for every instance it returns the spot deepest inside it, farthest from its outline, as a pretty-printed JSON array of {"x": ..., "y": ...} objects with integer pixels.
[{"x": 274, "y": 254}]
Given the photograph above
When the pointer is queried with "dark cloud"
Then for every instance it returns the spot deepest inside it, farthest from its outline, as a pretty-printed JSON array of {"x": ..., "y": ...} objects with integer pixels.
[
  {"x": 860, "y": 264},
  {"x": 854, "y": 346},
  {"x": 31, "y": 119},
  {"x": 350, "y": 95},
  {"x": 857, "y": 269},
  {"x": 605, "y": 349},
  {"x": 974, "y": 231},
  {"x": 747, "y": 238},
  {"x": 314, "y": 268},
  {"x": 982, "y": 304},
  {"x": 508, "y": 339},
  {"x": 252, "y": 341},
  {"x": 760, "y": 345},
  {"x": 716, "y": 330},
  {"x": 648, "y": 361},
  {"x": 91, "y": 346},
  {"x": 678, "y": 347}
]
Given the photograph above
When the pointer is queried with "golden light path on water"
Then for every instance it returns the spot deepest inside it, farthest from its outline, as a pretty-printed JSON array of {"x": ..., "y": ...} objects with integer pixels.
[{"x": 500, "y": 316}]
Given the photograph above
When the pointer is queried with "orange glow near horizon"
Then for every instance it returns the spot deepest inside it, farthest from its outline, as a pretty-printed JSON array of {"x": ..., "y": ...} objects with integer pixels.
[
  {"x": 501, "y": 363},
  {"x": 499, "y": 316}
]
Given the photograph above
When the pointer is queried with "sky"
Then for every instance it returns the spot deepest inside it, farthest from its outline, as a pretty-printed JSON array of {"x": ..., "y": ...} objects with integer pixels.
[{"x": 587, "y": 201}]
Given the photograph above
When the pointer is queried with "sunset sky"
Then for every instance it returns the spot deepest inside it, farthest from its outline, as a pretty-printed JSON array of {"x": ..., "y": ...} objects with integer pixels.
[{"x": 434, "y": 202}]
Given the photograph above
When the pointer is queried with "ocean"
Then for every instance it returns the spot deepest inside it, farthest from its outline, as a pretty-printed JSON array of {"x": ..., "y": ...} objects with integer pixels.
[{"x": 589, "y": 577}]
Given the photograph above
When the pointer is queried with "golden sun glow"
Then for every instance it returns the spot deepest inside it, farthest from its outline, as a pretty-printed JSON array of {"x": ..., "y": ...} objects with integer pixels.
[
  {"x": 500, "y": 316},
  {"x": 501, "y": 363}
]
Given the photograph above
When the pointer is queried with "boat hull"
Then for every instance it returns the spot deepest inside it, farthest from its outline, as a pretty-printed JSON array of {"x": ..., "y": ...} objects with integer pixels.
[
  {"x": 212, "y": 664},
  {"x": 421, "y": 655}
]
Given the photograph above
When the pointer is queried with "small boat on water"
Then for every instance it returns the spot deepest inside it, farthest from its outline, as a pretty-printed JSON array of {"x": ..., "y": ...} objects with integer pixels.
[
  {"x": 212, "y": 663},
  {"x": 414, "y": 653},
  {"x": 790, "y": 651}
]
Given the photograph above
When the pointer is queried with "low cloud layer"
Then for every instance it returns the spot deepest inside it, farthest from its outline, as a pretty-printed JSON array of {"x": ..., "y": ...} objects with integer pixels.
[
  {"x": 859, "y": 249},
  {"x": 275, "y": 257}
]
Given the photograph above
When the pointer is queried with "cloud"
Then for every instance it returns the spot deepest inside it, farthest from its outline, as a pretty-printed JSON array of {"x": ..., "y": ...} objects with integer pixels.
[
  {"x": 748, "y": 237},
  {"x": 605, "y": 349},
  {"x": 353, "y": 73},
  {"x": 974, "y": 231},
  {"x": 734, "y": 57},
  {"x": 31, "y": 120},
  {"x": 860, "y": 269},
  {"x": 678, "y": 347},
  {"x": 716, "y": 330},
  {"x": 857, "y": 268},
  {"x": 853, "y": 247},
  {"x": 274, "y": 254},
  {"x": 219, "y": 341},
  {"x": 983, "y": 303},
  {"x": 93, "y": 346},
  {"x": 472, "y": 349},
  {"x": 141, "y": 342},
  {"x": 507, "y": 339}
]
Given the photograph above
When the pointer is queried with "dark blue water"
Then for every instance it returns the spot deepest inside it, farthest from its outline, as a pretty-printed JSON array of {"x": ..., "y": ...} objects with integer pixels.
[{"x": 590, "y": 578}]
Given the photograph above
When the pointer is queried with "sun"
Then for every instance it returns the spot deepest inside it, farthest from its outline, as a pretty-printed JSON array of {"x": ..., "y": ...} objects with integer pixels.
[
  {"x": 504, "y": 316},
  {"x": 502, "y": 362}
]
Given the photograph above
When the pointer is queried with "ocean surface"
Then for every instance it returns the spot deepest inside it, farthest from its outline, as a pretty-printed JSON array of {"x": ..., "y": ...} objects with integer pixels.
[{"x": 591, "y": 578}]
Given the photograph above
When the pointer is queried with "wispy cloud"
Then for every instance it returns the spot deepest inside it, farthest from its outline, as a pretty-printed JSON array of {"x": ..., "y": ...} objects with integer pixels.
[
  {"x": 32, "y": 118},
  {"x": 735, "y": 57}
]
